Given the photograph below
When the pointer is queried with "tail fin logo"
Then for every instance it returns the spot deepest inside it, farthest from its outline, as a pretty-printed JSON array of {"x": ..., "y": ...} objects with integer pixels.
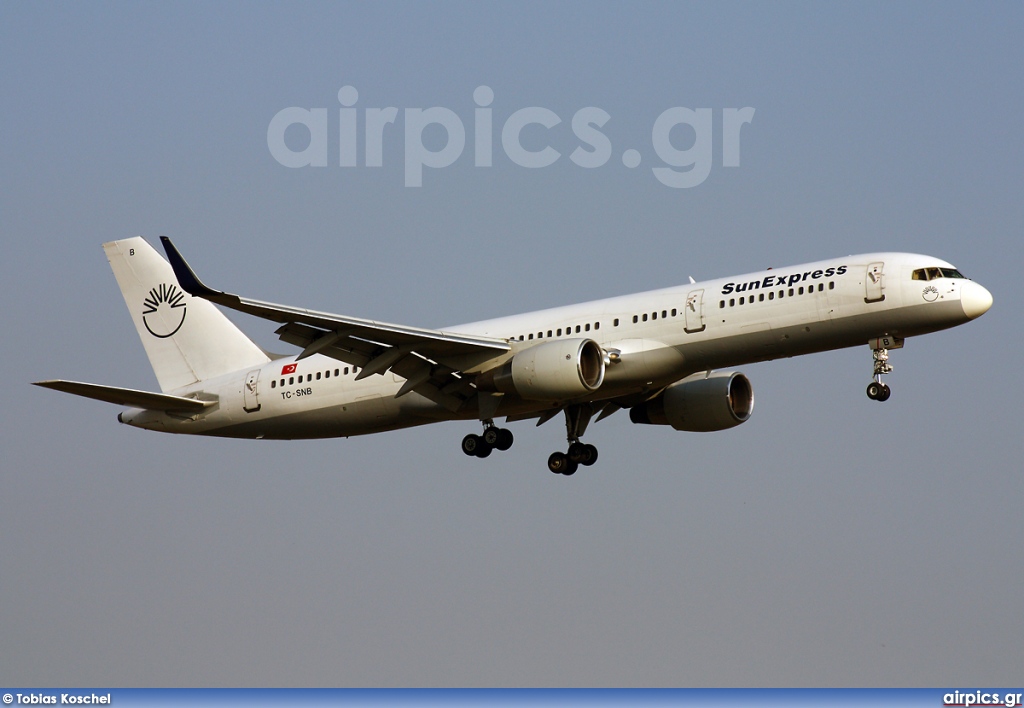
[{"x": 159, "y": 315}]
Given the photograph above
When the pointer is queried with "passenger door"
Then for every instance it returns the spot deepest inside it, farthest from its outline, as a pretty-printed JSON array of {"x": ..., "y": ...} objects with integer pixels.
[
  {"x": 250, "y": 392},
  {"x": 694, "y": 311},
  {"x": 874, "y": 283}
]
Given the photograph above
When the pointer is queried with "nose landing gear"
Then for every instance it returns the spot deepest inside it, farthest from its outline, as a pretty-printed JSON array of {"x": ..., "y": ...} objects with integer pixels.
[{"x": 878, "y": 391}]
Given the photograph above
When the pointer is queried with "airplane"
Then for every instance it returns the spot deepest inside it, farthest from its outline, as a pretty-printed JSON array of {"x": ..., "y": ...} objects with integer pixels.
[{"x": 664, "y": 355}]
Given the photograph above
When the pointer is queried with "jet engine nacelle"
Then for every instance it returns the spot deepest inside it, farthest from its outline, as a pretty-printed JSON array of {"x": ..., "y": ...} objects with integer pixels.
[
  {"x": 700, "y": 403},
  {"x": 553, "y": 371}
]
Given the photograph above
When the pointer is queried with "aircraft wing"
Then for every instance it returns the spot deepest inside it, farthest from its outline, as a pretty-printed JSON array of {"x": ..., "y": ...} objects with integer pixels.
[
  {"x": 129, "y": 396},
  {"x": 431, "y": 361}
]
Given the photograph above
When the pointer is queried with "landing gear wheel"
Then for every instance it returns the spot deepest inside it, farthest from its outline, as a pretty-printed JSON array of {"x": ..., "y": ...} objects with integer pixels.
[
  {"x": 590, "y": 455},
  {"x": 558, "y": 462},
  {"x": 475, "y": 446},
  {"x": 582, "y": 453},
  {"x": 505, "y": 439},
  {"x": 470, "y": 443},
  {"x": 571, "y": 469},
  {"x": 498, "y": 438},
  {"x": 577, "y": 451},
  {"x": 878, "y": 391}
]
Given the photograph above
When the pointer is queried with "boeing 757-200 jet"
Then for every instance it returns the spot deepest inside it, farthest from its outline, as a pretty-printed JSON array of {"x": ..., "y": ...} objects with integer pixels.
[{"x": 659, "y": 354}]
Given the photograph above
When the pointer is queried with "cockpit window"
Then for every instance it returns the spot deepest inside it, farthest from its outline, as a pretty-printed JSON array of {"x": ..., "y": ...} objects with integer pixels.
[{"x": 933, "y": 273}]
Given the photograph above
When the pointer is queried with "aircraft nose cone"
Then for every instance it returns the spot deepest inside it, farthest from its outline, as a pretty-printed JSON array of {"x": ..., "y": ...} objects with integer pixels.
[{"x": 974, "y": 299}]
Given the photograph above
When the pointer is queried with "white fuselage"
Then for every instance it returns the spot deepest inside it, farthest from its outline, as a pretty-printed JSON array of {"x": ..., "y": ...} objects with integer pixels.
[{"x": 657, "y": 338}]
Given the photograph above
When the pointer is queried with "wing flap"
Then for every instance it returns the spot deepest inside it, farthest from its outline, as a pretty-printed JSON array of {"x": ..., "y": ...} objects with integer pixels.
[{"x": 128, "y": 396}]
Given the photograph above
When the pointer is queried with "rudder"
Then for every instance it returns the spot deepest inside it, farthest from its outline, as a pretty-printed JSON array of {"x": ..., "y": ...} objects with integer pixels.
[{"x": 187, "y": 339}]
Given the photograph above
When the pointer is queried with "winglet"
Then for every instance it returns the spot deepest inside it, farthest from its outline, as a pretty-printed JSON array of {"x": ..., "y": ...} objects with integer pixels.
[{"x": 187, "y": 279}]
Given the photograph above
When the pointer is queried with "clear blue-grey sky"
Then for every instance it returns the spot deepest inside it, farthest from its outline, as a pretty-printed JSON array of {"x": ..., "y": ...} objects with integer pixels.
[{"x": 829, "y": 541}]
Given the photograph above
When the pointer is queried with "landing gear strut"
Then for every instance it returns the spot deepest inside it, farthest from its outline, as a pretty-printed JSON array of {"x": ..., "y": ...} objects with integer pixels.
[
  {"x": 494, "y": 438},
  {"x": 576, "y": 420},
  {"x": 878, "y": 391}
]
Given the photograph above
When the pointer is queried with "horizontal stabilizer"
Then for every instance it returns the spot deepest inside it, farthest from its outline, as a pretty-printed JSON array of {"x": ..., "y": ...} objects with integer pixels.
[{"x": 128, "y": 396}]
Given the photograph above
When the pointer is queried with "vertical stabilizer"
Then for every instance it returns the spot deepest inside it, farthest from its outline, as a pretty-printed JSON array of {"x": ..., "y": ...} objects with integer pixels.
[{"x": 186, "y": 338}]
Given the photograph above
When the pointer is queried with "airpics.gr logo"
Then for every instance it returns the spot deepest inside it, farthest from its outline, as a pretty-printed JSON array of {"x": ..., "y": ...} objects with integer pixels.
[
  {"x": 528, "y": 136},
  {"x": 159, "y": 316}
]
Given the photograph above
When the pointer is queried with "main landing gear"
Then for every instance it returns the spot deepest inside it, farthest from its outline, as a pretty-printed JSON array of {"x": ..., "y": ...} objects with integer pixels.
[
  {"x": 494, "y": 438},
  {"x": 878, "y": 391},
  {"x": 568, "y": 462},
  {"x": 576, "y": 420}
]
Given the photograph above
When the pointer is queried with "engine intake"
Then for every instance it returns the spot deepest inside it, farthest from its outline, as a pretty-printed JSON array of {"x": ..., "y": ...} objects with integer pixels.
[
  {"x": 553, "y": 371},
  {"x": 700, "y": 403}
]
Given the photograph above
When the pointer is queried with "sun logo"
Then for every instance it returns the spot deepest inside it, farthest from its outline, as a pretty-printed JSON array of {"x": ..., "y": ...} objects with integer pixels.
[
  {"x": 159, "y": 315},
  {"x": 930, "y": 293}
]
